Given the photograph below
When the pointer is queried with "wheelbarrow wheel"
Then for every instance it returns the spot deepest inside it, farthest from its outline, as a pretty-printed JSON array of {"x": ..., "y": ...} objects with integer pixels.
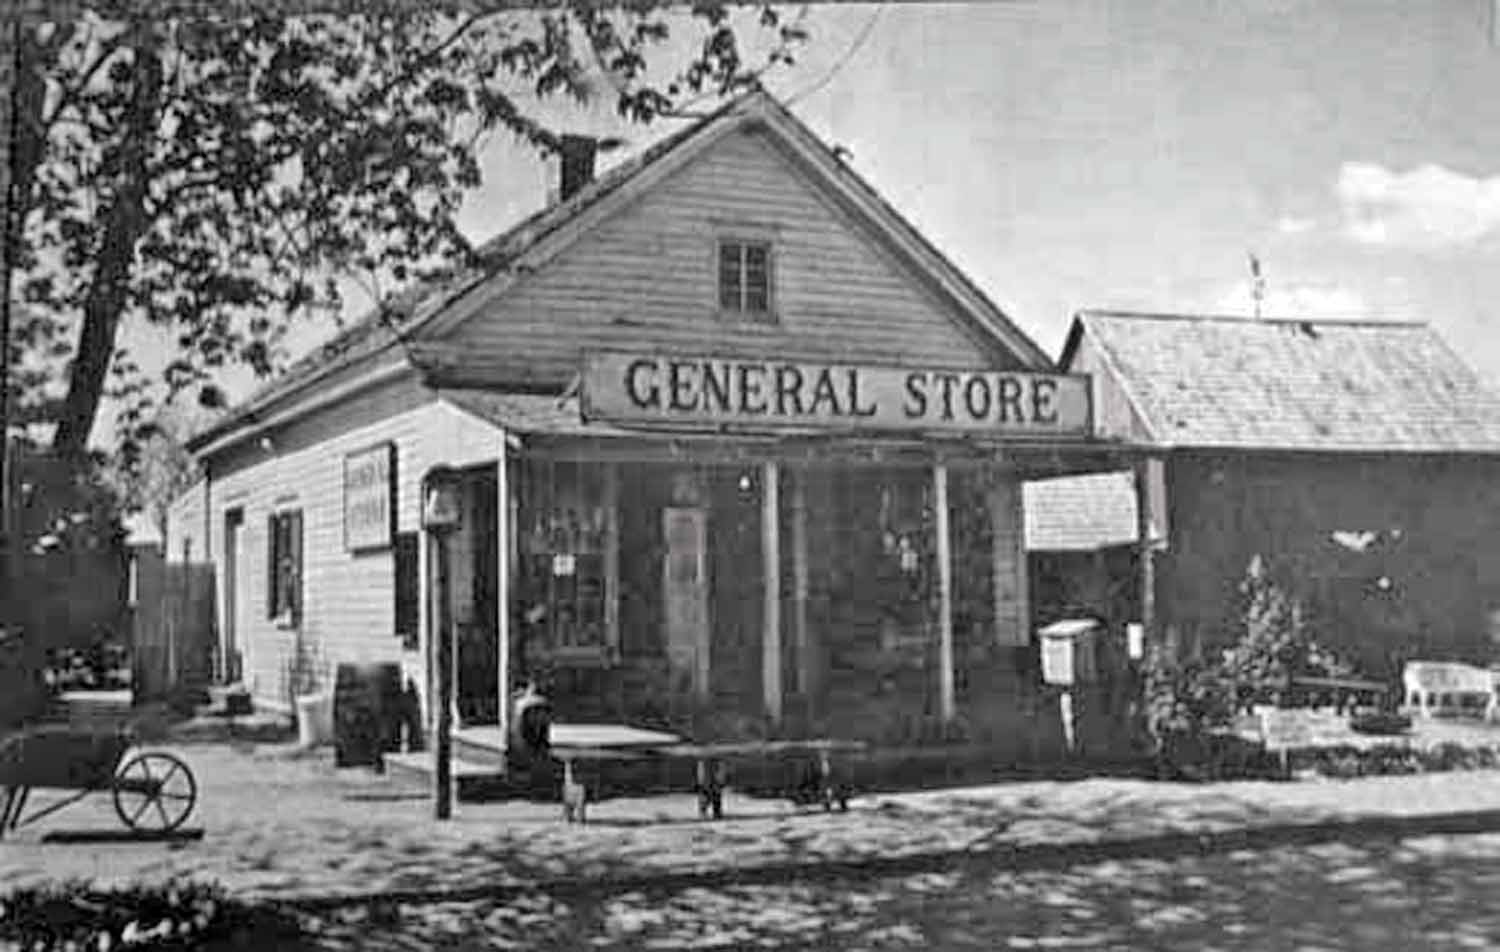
[{"x": 154, "y": 792}]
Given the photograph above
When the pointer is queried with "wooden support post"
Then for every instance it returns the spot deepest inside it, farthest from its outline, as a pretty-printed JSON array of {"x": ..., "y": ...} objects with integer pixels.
[
  {"x": 1145, "y": 519},
  {"x": 946, "y": 699},
  {"x": 502, "y": 591},
  {"x": 442, "y": 746},
  {"x": 612, "y": 561},
  {"x": 1008, "y": 569},
  {"x": 800, "y": 645},
  {"x": 770, "y": 535}
]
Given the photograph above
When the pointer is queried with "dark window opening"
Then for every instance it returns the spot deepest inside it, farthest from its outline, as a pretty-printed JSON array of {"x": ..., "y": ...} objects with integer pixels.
[
  {"x": 745, "y": 277},
  {"x": 407, "y": 589},
  {"x": 284, "y": 591}
]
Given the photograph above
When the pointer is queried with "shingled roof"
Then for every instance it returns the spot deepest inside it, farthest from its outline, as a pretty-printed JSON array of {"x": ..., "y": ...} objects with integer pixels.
[{"x": 1318, "y": 385}]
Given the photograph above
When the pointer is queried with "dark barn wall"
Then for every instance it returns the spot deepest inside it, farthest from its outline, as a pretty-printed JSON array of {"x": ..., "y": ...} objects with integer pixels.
[{"x": 1417, "y": 574}]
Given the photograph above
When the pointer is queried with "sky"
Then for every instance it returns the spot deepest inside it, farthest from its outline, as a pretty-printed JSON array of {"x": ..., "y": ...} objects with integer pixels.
[{"x": 1074, "y": 154}]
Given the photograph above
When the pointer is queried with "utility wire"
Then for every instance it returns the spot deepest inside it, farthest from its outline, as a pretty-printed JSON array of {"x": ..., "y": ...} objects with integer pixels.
[{"x": 849, "y": 54}]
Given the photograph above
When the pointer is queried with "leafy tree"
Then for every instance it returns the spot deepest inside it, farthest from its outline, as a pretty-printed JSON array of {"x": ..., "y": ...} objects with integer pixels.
[
  {"x": 73, "y": 566},
  {"x": 157, "y": 468},
  {"x": 212, "y": 177}
]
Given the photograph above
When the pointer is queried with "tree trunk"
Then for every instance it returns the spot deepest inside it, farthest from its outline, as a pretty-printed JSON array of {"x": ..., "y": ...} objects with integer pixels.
[{"x": 125, "y": 223}]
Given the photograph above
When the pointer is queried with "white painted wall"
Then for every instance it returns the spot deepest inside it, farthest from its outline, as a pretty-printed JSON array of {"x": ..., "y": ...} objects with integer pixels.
[{"x": 348, "y": 598}]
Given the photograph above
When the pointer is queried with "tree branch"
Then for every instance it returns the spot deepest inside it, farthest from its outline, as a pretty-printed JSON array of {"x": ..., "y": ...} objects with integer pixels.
[
  {"x": 125, "y": 222},
  {"x": 70, "y": 94}
]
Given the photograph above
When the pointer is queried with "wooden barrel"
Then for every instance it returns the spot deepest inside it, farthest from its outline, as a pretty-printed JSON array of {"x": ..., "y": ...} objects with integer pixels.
[{"x": 366, "y": 713}]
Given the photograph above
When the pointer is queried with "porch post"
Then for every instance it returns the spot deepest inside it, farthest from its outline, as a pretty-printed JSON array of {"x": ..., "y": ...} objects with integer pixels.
[
  {"x": 612, "y": 561},
  {"x": 946, "y": 700},
  {"x": 800, "y": 646},
  {"x": 502, "y": 589},
  {"x": 770, "y": 547},
  {"x": 425, "y": 642},
  {"x": 1145, "y": 523}
]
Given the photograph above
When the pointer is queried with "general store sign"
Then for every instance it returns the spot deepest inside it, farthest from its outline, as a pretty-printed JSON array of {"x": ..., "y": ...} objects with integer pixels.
[
  {"x": 369, "y": 498},
  {"x": 656, "y": 388}
]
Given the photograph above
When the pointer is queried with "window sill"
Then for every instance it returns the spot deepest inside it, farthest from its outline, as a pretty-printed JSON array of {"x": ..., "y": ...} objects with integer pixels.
[
  {"x": 770, "y": 320},
  {"x": 286, "y": 621}
]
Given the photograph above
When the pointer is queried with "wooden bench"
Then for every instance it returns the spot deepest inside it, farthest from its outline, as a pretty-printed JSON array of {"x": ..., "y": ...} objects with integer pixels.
[
  {"x": 1343, "y": 690},
  {"x": 1440, "y": 685},
  {"x": 711, "y": 769}
]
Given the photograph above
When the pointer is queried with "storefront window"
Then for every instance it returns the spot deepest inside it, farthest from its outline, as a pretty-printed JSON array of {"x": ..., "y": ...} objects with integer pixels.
[{"x": 563, "y": 533}]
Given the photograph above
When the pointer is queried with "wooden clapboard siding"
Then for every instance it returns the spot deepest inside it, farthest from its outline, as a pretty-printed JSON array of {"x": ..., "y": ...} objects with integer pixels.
[
  {"x": 1228, "y": 508},
  {"x": 348, "y": 599},
  {"x": 1010, "y": 585},
  {"x": 647, "y": 279},
  {"x": 1115, "y": 416}
]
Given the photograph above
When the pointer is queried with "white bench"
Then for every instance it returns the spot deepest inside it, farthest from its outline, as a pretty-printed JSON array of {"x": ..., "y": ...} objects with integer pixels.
[{"x": 1444, "y": 684}]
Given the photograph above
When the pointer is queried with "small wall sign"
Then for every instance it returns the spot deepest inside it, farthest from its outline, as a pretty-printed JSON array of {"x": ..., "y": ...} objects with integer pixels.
[{"x": 370, "y": 498}]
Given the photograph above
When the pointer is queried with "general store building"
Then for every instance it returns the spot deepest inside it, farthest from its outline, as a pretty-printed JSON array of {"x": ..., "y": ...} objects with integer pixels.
[{"x": 742, "y": 454}]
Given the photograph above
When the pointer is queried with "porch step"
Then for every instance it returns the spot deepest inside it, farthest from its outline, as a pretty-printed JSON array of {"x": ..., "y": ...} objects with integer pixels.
[{"x": 479, "y": 748}]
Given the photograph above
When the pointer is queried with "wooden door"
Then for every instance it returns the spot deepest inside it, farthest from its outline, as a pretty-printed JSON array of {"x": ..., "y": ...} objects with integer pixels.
[{"x": 685, "y": 593}]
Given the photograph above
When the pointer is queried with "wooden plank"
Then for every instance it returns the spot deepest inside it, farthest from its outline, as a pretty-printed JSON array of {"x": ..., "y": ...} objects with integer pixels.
[
  {"x": 946, "y": 697},
  {"x": 607, "y": 735},
  {"x": 770, "y": 527}
]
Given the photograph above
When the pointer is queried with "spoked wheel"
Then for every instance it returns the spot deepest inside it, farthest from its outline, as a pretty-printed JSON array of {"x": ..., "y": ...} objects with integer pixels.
[{"x": 154, "y": 792}]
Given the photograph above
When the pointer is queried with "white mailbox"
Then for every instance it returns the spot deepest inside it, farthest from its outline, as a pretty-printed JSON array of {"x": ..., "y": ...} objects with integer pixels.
[{"x": 1069, "y": 649}]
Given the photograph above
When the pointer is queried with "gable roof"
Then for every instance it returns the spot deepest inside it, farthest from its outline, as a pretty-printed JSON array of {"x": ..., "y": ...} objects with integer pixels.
[
  {"x": 1306, "y": 385},
  {"x": 415, "y": 314},
  {"x": 1080, "y": 513}
]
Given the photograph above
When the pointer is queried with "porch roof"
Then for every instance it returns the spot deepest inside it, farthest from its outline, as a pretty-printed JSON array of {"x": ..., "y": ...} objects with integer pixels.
[
  {"x": 556, "y": 420},
  {"x": 531, "y": 414}
]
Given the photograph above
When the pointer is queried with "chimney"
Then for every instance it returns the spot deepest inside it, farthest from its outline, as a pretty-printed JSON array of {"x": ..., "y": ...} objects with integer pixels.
[{"x": 577, "y": 154}]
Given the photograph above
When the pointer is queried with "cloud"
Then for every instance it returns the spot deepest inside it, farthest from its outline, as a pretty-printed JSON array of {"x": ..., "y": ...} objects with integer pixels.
[
  {"x": 1292, "y": 225},
  {"x": 1297, "y": 300},
  {"x": 1426, "y": 207}
]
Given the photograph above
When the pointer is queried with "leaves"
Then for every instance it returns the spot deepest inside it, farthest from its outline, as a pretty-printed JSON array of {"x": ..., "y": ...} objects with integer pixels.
[{"x": 213, "y": 177}]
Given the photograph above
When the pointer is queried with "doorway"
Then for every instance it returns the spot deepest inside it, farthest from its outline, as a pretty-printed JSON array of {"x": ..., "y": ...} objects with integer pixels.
[
  {"x": 230, "y": 664},
  {"x": 475, "y": 565},
  {"x": 737, "y": 582}
]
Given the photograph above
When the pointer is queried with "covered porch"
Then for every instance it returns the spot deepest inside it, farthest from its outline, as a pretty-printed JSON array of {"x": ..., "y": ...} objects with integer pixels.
[{"x": 737, "y": 585}]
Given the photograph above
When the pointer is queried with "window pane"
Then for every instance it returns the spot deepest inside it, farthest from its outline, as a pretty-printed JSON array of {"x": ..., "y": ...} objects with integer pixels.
[
  {"x": 756, "y": 299},
  {"x": 757, "y": 278},
  {"x": 755, "y": 258},
  {"x": 730, "y": 285}
]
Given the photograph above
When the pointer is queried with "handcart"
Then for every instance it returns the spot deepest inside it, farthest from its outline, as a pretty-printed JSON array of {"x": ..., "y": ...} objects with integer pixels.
[{"x": 153, "y": 791}]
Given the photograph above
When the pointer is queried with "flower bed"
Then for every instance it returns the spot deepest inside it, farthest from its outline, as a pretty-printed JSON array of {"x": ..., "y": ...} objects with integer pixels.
[
  {"x": 173, "y": 916},
  {"x": 1348, "y": 760}
]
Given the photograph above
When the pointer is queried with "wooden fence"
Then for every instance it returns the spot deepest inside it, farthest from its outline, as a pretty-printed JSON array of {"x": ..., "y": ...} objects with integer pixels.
[{"x": 173, "y": 625}]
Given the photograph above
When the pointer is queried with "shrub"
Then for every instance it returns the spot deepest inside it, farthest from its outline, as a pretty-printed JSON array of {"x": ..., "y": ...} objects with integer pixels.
[{"x": 177, "y": 915}]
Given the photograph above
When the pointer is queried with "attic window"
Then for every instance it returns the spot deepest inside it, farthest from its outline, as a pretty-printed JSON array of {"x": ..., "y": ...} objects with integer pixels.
[{"x": 745, "y": 278}]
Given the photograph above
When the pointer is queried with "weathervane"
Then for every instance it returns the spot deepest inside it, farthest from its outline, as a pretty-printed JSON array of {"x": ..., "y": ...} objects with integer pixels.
[{"x": 1258, "y": 281}]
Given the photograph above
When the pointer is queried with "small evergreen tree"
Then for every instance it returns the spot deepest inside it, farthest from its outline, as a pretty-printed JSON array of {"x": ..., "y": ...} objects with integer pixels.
[{"x": 1273, "y": 644}]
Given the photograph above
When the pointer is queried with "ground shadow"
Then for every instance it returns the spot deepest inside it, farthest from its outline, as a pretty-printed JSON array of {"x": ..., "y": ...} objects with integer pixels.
[{"x": 182, "y": 835}]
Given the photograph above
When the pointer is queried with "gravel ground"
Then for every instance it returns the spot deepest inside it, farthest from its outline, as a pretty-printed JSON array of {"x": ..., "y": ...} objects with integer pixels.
[
  {"x": 284, "y": 826},
  {"x": 1422, "y": 893}
]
